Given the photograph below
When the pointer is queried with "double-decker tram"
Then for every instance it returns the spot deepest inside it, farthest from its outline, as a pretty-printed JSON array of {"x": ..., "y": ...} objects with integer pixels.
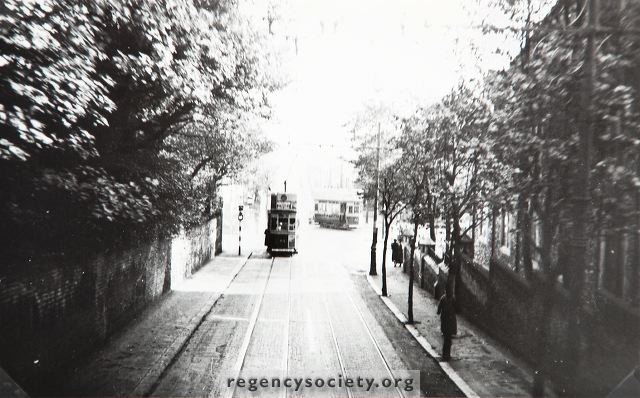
[
  {"x": 337, "y": 211},
  {"x": 281, "y": 232}
]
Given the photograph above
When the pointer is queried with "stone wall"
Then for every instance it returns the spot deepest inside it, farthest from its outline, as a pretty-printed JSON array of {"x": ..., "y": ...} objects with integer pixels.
[{"x": 56, "y": 309}]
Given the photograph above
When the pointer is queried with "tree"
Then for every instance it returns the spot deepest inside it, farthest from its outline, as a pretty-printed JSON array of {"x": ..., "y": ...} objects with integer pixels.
[
  {"x": 468, "y": 173},
  {"x": 417, "y": 143},
  {"x": 375, "y": 124},
  {"x": 115, "y": 114},
  {"x": 392, "y": 204},
  {"x": 545, "y": 103}
]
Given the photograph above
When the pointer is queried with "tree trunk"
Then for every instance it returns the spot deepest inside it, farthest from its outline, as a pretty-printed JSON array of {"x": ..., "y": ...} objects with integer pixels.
[
  {"x": 447, "y": 232},
  {"x": 541, "y": 343},
  {"x": 546, "y": 295},
  {"x": 493, "y": 232},
  {"x": 431, "y": 204},
  {"x": 456, "y": 259},
  {"x": 520, "y": 232},
  {"x": 366, "y": 212},
  {"x": 384, "y": 257},
  {"x": 413, "y": 251},
  {"x": 527, "y": 262}
]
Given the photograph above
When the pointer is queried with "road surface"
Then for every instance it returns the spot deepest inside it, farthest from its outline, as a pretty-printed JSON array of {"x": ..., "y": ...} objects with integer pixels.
[{"x": 306, "y": 319}]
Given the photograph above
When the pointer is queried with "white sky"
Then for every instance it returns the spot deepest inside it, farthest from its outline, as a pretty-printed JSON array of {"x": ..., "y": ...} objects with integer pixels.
[
  {"x": 402, "y": 53},
  {"x": 354, "y": 52}
]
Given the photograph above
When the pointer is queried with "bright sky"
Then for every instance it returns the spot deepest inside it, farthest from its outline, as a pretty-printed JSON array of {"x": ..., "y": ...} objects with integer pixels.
[
  {"x": 354, "y": 52},
  {"x": 351, "y": 53}
]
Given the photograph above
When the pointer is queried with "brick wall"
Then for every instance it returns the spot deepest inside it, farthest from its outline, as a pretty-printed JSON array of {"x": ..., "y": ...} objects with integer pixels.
[{"x": 57, "y": 309}]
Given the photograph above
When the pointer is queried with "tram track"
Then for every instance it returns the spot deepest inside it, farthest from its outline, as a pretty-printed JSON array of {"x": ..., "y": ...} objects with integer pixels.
[
  {"x": 343, "y": 369},
  {"x": 375, "y": 343},
  {"x": 287, "y": 339},
  {"x": 369, "y": 333},
  {"x": 253, "y": 320},
  {"x": 260, "y": 305}
]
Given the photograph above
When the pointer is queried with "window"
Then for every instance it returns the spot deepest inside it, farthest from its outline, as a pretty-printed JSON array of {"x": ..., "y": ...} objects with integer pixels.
[
  {"x": 356, "y": 209},
  {"x": 316, "y": 207},
  {"x": 350, "y": 209}
]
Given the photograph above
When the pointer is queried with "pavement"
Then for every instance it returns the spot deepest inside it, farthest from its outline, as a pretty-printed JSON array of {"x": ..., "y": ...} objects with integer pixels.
[
  {"x": 480, "y": 366},
  {"x": 133, "y": 360}
]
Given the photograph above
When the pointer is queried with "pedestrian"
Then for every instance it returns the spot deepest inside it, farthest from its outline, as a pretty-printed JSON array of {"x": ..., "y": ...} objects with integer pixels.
[
  {"x": 448, "y": 322},
  {"x": 394, "y": 252}
]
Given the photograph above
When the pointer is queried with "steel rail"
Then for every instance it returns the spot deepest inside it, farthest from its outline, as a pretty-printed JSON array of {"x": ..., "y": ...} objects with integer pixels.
[{"x": 253, "y": 320}]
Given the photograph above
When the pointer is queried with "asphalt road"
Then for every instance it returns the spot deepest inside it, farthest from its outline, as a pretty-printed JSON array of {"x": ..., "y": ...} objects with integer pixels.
[{"x": 310, "y": 318}]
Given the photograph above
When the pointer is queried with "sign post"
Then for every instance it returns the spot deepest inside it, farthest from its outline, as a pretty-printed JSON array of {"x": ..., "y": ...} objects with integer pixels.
[{"x": 240, "y": 218}]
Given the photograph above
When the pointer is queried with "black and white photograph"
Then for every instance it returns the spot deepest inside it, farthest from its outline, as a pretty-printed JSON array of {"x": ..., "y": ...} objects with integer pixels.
[{"x": 320, "y": 198}]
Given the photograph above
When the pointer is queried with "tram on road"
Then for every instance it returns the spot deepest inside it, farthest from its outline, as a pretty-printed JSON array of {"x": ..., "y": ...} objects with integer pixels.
[
  {"x": 282, "y": 228},
  {"x": 337, "y": 210}
]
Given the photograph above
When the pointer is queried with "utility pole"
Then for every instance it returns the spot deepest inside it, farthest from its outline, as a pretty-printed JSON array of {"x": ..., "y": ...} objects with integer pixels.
[
  {"x": 372, "y": 268},
  {"x": 580, "y": 270}
]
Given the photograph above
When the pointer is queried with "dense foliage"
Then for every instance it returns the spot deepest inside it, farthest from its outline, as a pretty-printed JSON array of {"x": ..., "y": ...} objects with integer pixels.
[
  {"x": 118, "y": 118},
  {"x": 527, "y": 140}
]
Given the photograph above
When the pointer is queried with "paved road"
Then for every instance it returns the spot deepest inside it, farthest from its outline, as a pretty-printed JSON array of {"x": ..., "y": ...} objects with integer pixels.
[{"x": 307, "y": 316}]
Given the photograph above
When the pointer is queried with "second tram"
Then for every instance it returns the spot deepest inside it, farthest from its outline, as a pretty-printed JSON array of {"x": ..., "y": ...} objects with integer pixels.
[{"x": 337, "y": 212}]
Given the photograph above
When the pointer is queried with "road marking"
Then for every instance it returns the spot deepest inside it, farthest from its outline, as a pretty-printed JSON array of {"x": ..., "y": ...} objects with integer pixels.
[{"x": 446, "y": 367}]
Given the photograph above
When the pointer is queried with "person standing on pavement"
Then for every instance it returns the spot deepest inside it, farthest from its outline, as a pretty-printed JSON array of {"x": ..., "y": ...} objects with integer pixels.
[
  {"x": 448, "y": 322},
  {"x": 394, "y": 252}
]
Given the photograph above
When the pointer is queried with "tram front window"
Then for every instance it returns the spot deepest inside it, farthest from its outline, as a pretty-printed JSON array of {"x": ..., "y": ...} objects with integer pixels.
[
  {"x": 274, "y": 222},
  {"x": 292, "y": 224}
]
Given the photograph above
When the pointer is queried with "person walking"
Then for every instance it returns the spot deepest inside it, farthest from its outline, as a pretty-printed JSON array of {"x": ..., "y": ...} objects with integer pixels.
[
  {"x": 394, "y": 252},
  {"x": 448, "y": 322}
]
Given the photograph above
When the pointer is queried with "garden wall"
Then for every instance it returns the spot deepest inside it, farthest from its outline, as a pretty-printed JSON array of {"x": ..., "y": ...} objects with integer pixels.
[{"x": 55, "y": 310}]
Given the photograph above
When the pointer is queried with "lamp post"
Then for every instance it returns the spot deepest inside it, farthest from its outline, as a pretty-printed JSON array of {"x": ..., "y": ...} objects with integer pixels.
[{"x": 372, "y": 267}]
